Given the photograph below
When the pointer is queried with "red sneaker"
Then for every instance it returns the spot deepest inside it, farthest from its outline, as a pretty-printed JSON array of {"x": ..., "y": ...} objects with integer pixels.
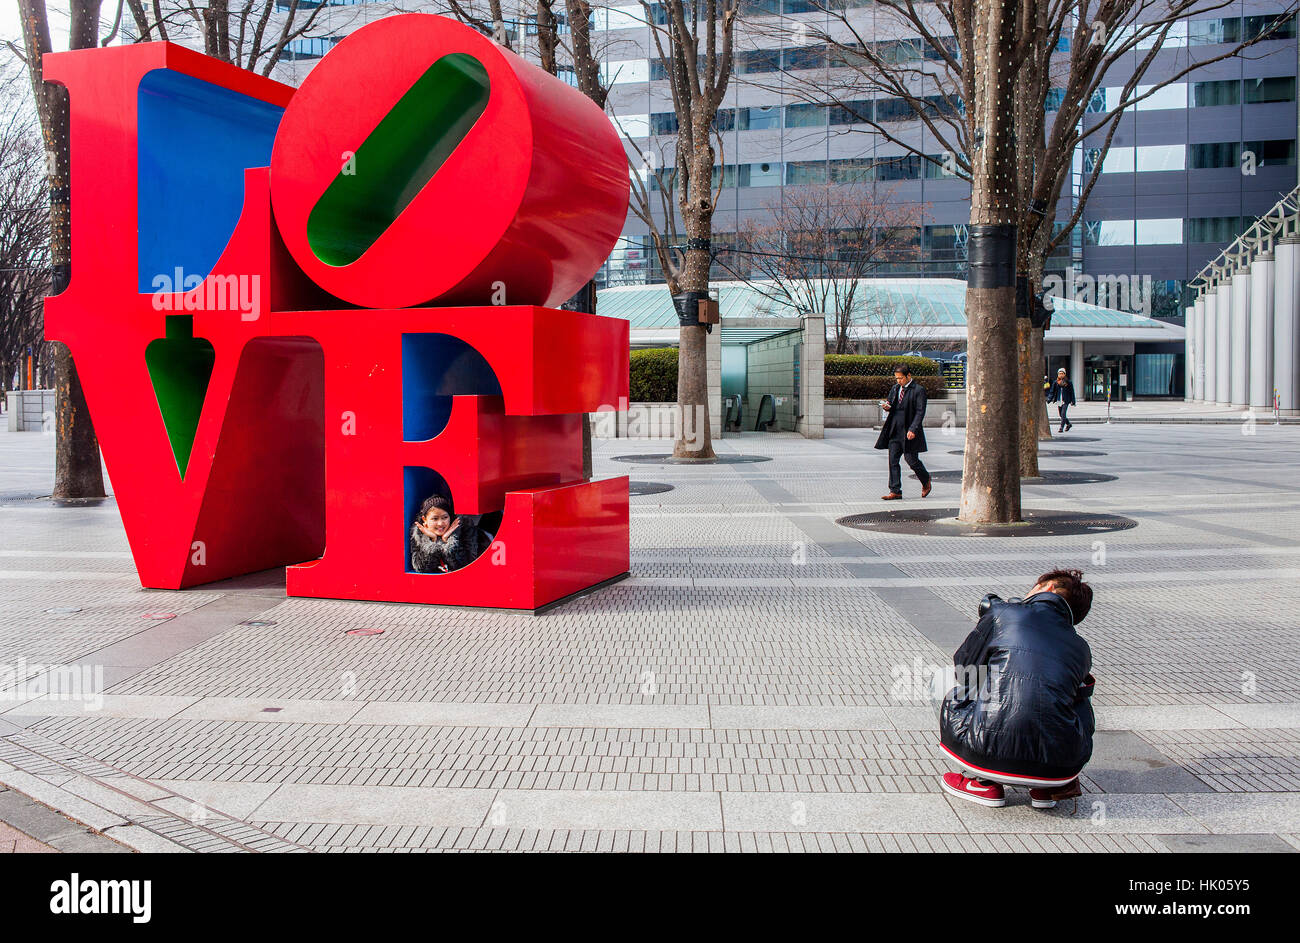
[
  {"x": 1048, "y": 797},
  {"x": 974, "y": 790}
]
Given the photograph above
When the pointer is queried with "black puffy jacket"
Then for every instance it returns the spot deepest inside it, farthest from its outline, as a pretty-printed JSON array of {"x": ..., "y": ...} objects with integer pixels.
[{"x": 1021, "y": 703}]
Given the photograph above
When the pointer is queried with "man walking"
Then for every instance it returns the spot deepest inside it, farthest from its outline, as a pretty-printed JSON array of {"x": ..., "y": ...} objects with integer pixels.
[
  {"x": 903, "y": 434},
  {"x": 1062, "y": 391}
]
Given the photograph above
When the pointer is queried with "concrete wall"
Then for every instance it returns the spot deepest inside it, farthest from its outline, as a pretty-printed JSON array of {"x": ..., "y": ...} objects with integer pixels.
[
  {"x": 27, "y": 409},
  {"x": 812, "y": 394}
]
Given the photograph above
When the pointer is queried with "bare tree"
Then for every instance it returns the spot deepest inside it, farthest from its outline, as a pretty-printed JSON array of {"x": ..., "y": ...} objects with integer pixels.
[
  {"x": 815, "y": 245},
  {"x": 695, "y": 48},
  {"x": 241, "y": 32},
  {"x": 24, "y": 227},
  {"x": 1067, "y": 49},
  {"x": 77, "y": 471}
]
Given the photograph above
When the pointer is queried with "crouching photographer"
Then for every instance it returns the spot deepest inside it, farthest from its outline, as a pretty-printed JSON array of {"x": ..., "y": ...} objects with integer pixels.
[{"x": 1020, "y": 714}]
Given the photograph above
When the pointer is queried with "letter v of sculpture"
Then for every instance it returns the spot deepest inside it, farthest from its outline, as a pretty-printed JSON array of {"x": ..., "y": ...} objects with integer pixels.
[{"x": 280, "y": 309}]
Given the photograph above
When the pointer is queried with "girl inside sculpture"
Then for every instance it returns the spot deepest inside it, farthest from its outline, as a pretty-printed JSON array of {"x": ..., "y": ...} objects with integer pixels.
[{"x": 440, "y": 541}]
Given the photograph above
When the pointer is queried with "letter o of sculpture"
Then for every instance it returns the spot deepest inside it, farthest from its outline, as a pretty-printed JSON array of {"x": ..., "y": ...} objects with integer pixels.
[{"x": 421, "y": 163}]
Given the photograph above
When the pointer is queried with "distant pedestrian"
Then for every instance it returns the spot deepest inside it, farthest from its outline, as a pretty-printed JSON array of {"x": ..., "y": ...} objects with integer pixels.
[
  {"x": 903, "y": 433},
  {"x": 1063, "y": 392}
]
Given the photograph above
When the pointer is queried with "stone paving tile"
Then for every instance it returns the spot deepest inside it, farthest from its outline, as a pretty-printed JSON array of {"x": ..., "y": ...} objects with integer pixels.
[
  {"x": 755, "y": 657},
  {"x": 656, "y": 841},
  {"x": 1264, "y": 760}
]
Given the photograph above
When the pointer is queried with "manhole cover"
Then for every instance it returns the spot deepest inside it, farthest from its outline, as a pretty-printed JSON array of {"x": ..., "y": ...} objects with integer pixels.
[
  {"x": 258, "y": 622},
  {"x": 1075, "y": 438},
  {"x": 364, "y": 632},
  {"x": 666, "y": 458},
  {"x": 1049, "y": 453},
  {"x": 942, "y": 522},
  {"x": 62, "y": 610},
  {"x": 1046, "y": 477},
  {"x": 638, "y": 488}
]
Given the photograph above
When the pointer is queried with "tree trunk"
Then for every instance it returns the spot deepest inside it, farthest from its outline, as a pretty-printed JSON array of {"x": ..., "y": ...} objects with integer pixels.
[
  {"x": 695, "y": 440},
  {"x": 1028, "y": 369},
  {"x": 990, "y": 473},
  {"x": 1040, "y": 406},
  {"x": 77, "y": 470}
]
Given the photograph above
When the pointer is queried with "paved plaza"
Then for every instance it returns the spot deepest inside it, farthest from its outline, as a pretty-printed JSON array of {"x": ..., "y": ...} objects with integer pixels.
[{"x": 749, "y": 687}]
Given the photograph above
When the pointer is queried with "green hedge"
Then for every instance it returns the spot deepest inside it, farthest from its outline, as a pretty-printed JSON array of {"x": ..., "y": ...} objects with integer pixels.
[
  {"x": 875, "y": 387},
  {"x": 875, "y": 365},
  {"x": 653, "y": 375}
]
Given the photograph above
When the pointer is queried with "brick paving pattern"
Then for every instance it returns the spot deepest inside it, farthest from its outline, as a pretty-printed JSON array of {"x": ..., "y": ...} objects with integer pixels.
[{"x": 743, "y": 691}]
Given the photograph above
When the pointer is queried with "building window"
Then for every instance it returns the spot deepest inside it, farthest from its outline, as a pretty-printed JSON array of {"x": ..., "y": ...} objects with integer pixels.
[
  {"x": 902, "y": 167},
  {"x": 805, "y": 116},
  {"x": 758, "y": 60},
  {"x": 1260, "y": 91},
  {"x": 1270, "y": 153},
  {"x": 1275, "y": 25},
  {"x": 939, "y": 167},
  {"x": 1209, "y": 94},
  {"x": 1213, "y": 32},
  {"x": 309, "y": 48},
  {"x": 763, "y": 118},
  {"x": 1173, "y": 95},
  {"x": 804, "y": 57},
  {"x": 1214, "y": 154},
  {"x": 1118, "y": 160},
  {"x": 805, "y": 172},
  {"x": 851, "y": 112},
  {"x": 1159, "y": 232},
  {"x": 893, "y": 109},
  {"x": 1108, "y": 232},
  {"x": 1159, "y": 157},
  {"x": 663, "y": 123},
  {"x": 851, "y": 170},
  {"x": 898, "y": 51},
  {"x": 1212, "y": 228}
]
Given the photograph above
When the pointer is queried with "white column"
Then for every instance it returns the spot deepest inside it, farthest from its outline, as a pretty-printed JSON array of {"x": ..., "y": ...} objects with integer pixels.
[
  {"x": 713, "y": 378},
  {"x": 812, "y": 380},
  {"x": 1210, "y": 357},
  {"x": 1286, "y": 331},
  {"x": 1197, "y": 335},
  {"x": 1260, "y": 382},
  {"x": 1076, "y": 368},
  {"x": 1189, "y": 351},
  {"x": 1240, "y": 365},
  {"x": 1223, "y": 341}
]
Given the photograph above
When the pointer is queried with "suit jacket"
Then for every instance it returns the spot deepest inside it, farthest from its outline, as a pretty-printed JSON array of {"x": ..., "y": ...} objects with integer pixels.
[{"x": 904, "y": 419}]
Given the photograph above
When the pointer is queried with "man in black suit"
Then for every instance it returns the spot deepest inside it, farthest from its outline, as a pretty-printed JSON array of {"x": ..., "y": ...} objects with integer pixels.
[{"x": 903, "y": 434}]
